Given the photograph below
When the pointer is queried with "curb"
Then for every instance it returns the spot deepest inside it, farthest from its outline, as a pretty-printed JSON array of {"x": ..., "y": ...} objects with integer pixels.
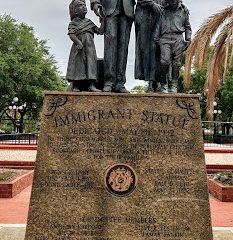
[
  {"x": 219, "y": 166},
  {"x": 223, "y": 229},
  {"x": 18, "y": 147},
  {"x": 17, "y": 163},
  {"x": 12, "y": 225},
  {"x": 218, "y": 150}
]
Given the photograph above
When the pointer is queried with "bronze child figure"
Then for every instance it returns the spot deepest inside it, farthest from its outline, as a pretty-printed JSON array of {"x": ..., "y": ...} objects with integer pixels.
[
  {"x": 82, "y": 65},
  {"x": 174, "y": 23}
]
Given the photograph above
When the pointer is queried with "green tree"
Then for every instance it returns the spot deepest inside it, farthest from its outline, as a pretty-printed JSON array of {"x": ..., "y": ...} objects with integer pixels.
[
  {"x": 26, "y": 66},
  {"x": 140, "y": 89},
  {"x": 225, "y": 98},
  {"x": 198, "y": 82}
]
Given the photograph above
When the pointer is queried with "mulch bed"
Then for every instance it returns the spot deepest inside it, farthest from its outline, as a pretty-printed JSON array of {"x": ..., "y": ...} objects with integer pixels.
[
  {"x": 8, "y": 175},
  {"x": 225, "y": 178}
]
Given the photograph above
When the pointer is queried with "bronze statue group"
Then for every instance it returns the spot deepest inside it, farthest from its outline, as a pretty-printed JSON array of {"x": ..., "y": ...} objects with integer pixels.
[{"x": 163, "y": 33}]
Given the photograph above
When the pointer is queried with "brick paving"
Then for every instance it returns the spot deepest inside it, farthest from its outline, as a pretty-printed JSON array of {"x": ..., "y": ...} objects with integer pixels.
[
  {"x": 221, "y": 213},
  {"x": 15, "y": 210}
]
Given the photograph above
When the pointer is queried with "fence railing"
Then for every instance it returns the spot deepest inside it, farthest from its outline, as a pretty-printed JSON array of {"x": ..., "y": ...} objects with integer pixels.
[
  {"x": 218, "y": 134},
  {"x": 19, "y": 138},
  {"x": 10, "y": 131}
]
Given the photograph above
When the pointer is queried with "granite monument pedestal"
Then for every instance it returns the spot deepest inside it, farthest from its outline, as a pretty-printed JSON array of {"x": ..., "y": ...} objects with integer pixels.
[{"x": 120, "y": 166}]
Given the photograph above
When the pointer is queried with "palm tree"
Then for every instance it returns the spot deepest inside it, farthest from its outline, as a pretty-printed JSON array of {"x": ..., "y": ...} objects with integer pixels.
[{"x": 221, "y": 58}]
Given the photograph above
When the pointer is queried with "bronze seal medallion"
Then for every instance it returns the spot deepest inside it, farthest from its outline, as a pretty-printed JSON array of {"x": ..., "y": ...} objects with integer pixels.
[{"x": 120, "y": 180}]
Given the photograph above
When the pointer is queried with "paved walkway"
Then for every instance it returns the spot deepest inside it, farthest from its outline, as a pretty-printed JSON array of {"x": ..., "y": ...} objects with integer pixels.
[
  {"x": 30, "y": 155},
  {"x": 221, "y": 213},
  {"x": 219, "y": 158},
  {"x": 15, "y": 210},
  {"x": 12, "y": 231},
  {"x": 17, "y": 155}
]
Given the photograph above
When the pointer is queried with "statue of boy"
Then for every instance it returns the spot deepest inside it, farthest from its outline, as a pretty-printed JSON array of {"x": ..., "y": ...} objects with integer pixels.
[
  {"x": 169, "y": 36},
  {"x": 82, "y": 65}
]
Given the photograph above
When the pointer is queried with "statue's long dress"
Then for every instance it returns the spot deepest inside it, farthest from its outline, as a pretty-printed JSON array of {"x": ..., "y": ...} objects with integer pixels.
[
  {"x": 147, "y": 53},
  {"x": 82, "y": 64}
]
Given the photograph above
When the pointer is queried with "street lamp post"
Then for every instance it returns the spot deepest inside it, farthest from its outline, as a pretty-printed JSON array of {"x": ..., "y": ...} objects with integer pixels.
[
  {"x": 216, "y": 113},
  {"x": 17, "y": 124}
]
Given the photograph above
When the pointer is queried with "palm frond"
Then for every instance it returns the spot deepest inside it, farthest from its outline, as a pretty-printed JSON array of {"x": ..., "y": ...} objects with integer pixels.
[
  {"x": 231, "y": 56},
  {"x": 209, "y": 28},
  {"x": 188, "y": 63},
  {"x": 226, "y": 58},
  {"x": 217, "y": 61},
  {"x": 201, "y": 41}
]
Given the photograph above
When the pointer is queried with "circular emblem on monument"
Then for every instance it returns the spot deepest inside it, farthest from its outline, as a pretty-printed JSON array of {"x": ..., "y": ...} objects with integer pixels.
[{"x": 120, "y": 180}]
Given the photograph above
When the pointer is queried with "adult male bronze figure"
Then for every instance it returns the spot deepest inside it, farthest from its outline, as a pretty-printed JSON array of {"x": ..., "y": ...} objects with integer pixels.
[
  {"x": 174, "y": 23},
  {"x": 118, "y": 18}
]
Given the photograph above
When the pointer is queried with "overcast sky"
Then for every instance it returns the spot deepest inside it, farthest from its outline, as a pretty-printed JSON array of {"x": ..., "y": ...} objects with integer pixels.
[{"x": 50, "y": 18}]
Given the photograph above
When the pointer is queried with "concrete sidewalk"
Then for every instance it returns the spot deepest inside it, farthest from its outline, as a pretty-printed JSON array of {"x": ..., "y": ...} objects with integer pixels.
[
  {"x": 219, "y": 158},
  {"x": 12, "y": 231},
  {"x": 17, "y": 155},
  {"x": 30, "y": 155},
  {"x": 17, "y": 232}
]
